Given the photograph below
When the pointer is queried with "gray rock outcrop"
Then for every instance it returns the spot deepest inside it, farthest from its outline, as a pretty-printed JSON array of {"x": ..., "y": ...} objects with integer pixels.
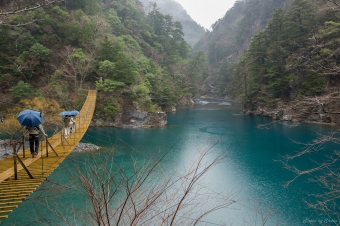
[
  {"x": 308, "y": 109},
  {"x": 135, "y": 119}
]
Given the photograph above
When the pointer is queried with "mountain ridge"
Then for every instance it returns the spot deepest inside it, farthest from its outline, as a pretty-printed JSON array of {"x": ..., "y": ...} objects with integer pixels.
[{"x": 192, "y": 30}]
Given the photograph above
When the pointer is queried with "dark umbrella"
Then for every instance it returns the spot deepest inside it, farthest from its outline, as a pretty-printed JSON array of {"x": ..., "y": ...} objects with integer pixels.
[
  {"x": 65, "y": 113},
  {"x": 74, "y": 112},
  {"x": 30, "y": 118}
]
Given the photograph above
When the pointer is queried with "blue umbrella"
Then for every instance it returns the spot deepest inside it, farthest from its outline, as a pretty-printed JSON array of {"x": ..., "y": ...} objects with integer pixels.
[
  {"x": 65, "y": 113},
  {"x": 30, "y": 118},
  {"x": 74, "y": 112}
]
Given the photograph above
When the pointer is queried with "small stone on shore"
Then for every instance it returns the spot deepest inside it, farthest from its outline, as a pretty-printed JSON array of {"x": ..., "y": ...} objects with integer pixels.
[
  {"x": 84, "y": 147},
  {"x": 6, "y": 148}
]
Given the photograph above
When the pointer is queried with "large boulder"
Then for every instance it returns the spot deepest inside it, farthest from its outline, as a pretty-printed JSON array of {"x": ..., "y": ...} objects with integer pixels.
[{"x": 185, "y": 101}]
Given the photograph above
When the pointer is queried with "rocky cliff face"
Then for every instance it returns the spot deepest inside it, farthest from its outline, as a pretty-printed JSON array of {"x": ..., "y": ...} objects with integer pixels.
[
  {"x": 130, "y": 116},
  {"x": 134, "y": 120},
  {"x": 322, "y": 109}
]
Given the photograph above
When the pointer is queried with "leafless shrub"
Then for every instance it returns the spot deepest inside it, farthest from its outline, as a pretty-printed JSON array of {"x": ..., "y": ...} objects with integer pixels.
[
  {"x": 325, "y": 172},
  {"x": 144, "y": 194}
]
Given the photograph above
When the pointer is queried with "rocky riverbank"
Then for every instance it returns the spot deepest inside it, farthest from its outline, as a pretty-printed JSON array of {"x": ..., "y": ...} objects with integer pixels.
[
  {"x": 85, "y": 147},
  {"x": 134, "y": 119},
  {"x": 322, "y": 109},
  {"x": 6, "y": 149},
  {"x": 131, "y": 115},
  {"x": 127, "y": 114}
]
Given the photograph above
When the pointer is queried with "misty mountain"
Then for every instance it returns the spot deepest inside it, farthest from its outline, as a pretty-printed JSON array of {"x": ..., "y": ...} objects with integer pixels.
[
  {"x": 192, "y": 31},
  {"x": 230, "y": 38}
]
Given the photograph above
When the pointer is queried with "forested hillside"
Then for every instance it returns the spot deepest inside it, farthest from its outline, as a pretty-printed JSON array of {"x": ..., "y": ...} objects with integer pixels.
[
  {"x": 280, "y": 58},
  {"x": 61, "y": 49},
  {"x": 287, "y": 58},
  {"x": 230, "y": 39},
  {"x": 192, "y": 31}
]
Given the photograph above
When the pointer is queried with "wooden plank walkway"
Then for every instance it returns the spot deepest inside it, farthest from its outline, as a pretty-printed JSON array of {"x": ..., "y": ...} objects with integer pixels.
[{"x": 13, "y": 192}]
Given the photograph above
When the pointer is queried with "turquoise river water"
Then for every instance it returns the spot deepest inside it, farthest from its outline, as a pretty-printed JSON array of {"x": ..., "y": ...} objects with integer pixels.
[{"x": 250, "y": 173}]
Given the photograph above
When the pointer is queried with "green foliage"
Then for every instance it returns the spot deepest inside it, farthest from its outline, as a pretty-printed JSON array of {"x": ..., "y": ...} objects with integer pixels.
[
  {"x": 148, "y": 56},
  {"x": 60, "y": 14},
  {"x": 79, "y": 14},
  {"x": 300, "y": 19},
  {"x": 168, "y": 96},
  {"x": 107, "y": 67},
  {"x": 59, "y": 89},
  {"x": 151, "y": 107},
  {"x": 331, "y": 31},
  {"x": 112, "y": 107},
  {"x": 80, "y": 30},
  {"x": 284, "y": 58},
  {"x": 56, "y": 78},
  {"x": 3, "y": 77},
  {"x": 77, "y": 42},
  {"x": 78, "y": 34},
  {"x": 145, "y": 65},
  {"x": 21, "y": 90},
  {"x": 313, "y": 84},
  {"x": 114, "y": 21},
  {"x": 276, "y": 25},
  {"x": 143, "y": 89},
  {"x": 108, "y": 50},
  {"x": 197, "y": 67},
  {"x": 109, "y": 85},
  {"x": 278, "y": 81},
  {"x": 78, "y": 57},
  {"x": 125, "y": 70},
  {"x": 229, "y": 41},
  {"x": 39, "y": 52},
  {"x": 131, "y": 43},
  {"x": 89, "y": 6},
  {"x": 39, "y": 93},
  {"x": 93, "y": 7},
  {"x": 168, "y": 37}
]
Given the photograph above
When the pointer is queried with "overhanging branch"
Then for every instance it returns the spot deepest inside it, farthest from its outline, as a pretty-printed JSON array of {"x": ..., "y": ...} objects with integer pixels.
[{"x": 30, "y": 7}]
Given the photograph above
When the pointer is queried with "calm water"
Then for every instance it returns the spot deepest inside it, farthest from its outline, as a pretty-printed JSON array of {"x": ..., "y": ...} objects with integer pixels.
[{"x": 249, "y": 172}]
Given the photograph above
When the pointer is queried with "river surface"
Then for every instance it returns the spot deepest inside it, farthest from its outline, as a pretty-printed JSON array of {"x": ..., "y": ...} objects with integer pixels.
[{"x": 250, "y": 174}]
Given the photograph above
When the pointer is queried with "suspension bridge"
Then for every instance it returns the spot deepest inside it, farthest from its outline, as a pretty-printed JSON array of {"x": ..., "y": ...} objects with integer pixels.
[{"x": 20, "y": 174}]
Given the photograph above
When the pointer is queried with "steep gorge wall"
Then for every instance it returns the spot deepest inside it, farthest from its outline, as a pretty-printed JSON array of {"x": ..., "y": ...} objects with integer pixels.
[
  {"x": 229, "y": 41},
  {"x": 321, "y": 109}
]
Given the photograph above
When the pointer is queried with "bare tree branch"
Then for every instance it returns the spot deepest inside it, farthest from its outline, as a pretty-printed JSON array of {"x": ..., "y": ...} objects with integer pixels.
[
  {"x": 17, "y": 7},
  {"x": 31, "y": 5},
  {"x": 145, "y": 193},
  {"x": 326, "y": 172},
  {"x": 334, "y": 2}
]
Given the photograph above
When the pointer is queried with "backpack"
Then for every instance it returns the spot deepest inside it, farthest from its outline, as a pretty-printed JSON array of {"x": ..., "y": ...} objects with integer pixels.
[{"x": 32, "y": 128}]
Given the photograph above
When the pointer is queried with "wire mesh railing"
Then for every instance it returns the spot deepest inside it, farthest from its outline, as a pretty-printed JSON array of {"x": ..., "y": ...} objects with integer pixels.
[{"x": 22, "y": 172}]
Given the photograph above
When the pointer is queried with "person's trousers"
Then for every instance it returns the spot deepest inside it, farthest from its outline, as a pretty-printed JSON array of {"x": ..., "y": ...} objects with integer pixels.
[
  {"x": 34, "y": 143},
  {"x": 67, "y": 131}
]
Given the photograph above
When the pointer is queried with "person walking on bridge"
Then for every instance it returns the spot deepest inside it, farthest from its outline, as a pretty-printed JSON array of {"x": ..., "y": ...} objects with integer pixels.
[
  {"x": 33, "y": 137},
  {"x": 67, "y": 120},
  {"x": 72, "y": 124}
]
